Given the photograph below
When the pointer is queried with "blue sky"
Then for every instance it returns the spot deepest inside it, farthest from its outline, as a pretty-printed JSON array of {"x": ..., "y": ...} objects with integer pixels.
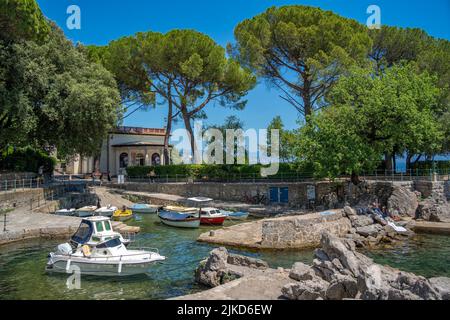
[{"x": 106, "y": 20}]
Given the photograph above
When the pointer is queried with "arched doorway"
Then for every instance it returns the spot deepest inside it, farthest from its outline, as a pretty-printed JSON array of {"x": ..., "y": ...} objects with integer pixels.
[
  {"x": 156, "y": 159},
  {"x": 123, "y": 160},
  {"x": 140, "y": 160}
]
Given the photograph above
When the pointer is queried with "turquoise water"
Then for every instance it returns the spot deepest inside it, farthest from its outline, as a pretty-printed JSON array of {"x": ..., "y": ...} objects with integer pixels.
[{"x": 22, "y": 274}]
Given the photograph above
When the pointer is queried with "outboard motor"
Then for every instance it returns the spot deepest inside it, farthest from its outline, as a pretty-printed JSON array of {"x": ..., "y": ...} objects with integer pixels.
[{"x": 64, "y": 249}]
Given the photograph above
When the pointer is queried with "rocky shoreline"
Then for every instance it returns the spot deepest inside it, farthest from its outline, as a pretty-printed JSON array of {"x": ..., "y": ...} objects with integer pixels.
[{"x": 338, "y": 272}]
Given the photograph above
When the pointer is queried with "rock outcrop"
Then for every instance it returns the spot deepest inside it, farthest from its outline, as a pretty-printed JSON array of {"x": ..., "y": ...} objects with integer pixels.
[
  {"x": 222, "y": 267},
  {"x": 340, "y": 272},
  {"x": 403, "y": 202}
]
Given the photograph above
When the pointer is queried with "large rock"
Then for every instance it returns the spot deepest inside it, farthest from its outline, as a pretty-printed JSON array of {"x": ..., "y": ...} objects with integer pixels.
[
  {"x": 435, "y": 209},
  {"x": 214, "y": 271},
  {"x": 361, "y": 221},
  {"x": 301, "y": 272},
  {"x": 340, "y": 272},
  {"x": 306, "y": 290},
  {"x": 370, "y": 231},
  {"x": 403, "y": 201},
  {"x": 442, "y": 285}
]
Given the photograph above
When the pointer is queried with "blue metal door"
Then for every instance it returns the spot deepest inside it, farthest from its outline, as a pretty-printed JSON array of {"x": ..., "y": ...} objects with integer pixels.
[
  {"x": 284, "y": 195},
  {"x": 274, "y": 195}
]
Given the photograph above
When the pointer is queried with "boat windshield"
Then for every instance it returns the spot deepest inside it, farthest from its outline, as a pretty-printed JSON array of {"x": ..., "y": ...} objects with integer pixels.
[
  {"x": 110, "y": 244},
  {"x": 83, "y": 233}
]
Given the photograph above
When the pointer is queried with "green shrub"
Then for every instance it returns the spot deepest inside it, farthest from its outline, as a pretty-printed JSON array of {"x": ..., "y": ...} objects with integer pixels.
[
  {"x": 441, "y": 165},
  {"x": 26, "y": 160},
  {"x": 217, "y": 171}
]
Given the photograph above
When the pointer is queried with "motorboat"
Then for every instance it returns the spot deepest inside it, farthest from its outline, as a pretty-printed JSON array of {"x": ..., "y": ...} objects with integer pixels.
[
  {"x": 143, "y": 208},
  {"x": 95, "y": 249},
  {"x": 212, "y": 216},
  {"x": 231, "y": 215},
  {"x": 87, "y": 211},
  {"x": 106, "y": 211},
  {"x": 123, "y": 215},
  {"x": 65, "y": 212},
  {"x": 179, "y": 220}
]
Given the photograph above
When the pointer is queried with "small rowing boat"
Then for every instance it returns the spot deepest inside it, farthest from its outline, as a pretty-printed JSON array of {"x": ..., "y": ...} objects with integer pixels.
[
  {"x": 122, "y": 215},
  {"x": 84, "y": 212},
  {"x": 65, "y": 212},
  {"x": 235, "y": 215},
  {"x": 179, "y": 220},
  {"x": 143, "y": 208},
  {"x": 106, "y": 211}
]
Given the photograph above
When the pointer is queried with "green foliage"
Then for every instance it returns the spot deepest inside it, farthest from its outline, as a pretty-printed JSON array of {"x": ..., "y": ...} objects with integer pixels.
[
  {"x": 287, "y": 139},
  {"x": 22, "y": 19},
  {"x": 441, "y": 165},
  {"x": 51, "y": 95},
  {"x": 301, "y": 50},
  {"x": 370, "y": 116},
  {"x": 216, "y": 171},
  {"x": 26, "y": 160}
]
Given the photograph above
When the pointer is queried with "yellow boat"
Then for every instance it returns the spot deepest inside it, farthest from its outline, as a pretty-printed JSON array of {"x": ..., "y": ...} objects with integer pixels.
[{"x": 122, "y": 215}]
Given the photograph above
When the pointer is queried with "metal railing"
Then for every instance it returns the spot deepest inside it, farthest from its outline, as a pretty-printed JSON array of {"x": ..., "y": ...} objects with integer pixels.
[
  {"x": 20, "y": 184},
  {"x": 380, "y": 175}
]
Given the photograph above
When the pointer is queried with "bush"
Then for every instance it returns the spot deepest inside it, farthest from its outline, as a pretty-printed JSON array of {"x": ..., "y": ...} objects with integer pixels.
[
  {"x": 26, "y": 160},
  {"x": 441, "y": 165},
  {"x": 216, "y": 171}
]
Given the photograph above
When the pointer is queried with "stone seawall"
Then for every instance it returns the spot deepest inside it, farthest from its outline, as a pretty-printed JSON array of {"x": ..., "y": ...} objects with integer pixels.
[
  {"x": 19, "y": 198},
  {"x": 302, "y": 231}
]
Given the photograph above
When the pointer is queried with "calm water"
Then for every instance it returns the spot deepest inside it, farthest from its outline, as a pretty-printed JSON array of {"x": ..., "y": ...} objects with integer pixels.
[{"x": 22, "y": 274}]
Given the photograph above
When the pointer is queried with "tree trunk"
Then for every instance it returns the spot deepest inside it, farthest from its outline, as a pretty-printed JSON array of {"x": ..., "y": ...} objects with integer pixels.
[
  {"x": 168, "y": 133},
  {"x": 306, "y": 96},
  {"x": 355, "y": 179},
  {"x": 188, "y": 126},
  {"x": 388, "y": 162}
]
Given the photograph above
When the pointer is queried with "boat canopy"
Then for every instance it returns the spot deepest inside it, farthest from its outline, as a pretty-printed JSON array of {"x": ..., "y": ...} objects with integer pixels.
[{"x": 84, "y": 232}]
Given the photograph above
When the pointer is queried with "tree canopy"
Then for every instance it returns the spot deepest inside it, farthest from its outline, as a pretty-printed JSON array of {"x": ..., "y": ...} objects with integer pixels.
[
  {"x": 22, "y": 19},
  {"x": 52, "y": 96},
  {"x": 301, "y": 50},
  {"x": 369, "y": 116}
]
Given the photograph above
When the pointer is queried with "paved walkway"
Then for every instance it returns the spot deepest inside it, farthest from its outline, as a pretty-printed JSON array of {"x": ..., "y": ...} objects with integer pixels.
[{"x": 254, "y": 285}]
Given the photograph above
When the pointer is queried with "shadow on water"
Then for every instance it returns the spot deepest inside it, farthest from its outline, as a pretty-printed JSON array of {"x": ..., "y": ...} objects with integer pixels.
[{"x": 23, "y": 276}]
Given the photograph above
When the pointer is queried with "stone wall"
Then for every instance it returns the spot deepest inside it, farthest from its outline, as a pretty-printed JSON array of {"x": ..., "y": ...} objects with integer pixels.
[
  {"x": 20, "y": 198},
  {"x": 328, "y": 194},
  {"x": 302, "y": 231}
]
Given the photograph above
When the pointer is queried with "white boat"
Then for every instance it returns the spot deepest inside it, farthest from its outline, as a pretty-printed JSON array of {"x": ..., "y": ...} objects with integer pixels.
[
  {"x": 65, "y": 212},
  {"x": 106, "y": 211},
  {"x": 180, "y": 220},
  {"x": 231, "y": 215},
  {"x": 86, "y": 211},
  {"x": 144, "y": 208},
  {"x": 95, "y": 249}
]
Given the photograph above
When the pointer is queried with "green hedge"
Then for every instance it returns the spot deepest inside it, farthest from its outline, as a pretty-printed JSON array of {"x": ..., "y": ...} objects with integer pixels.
[
  {"x": 214, "y": 171},
  {"x": 441, "y": 165},
  {"x": 26, "y": 160}
]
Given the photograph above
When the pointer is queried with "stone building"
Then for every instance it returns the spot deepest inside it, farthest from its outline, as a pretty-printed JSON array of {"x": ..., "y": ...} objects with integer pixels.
[{"x": 124, "y": 147}]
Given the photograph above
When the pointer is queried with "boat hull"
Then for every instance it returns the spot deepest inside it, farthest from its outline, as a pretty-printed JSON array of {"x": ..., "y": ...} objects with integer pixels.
[
  {"x": 84, "y": 214},
  {"x": 145, "y": 211},
  {"x": 104, "y": 270},
  {"x": 123, "y": 218},
  {"x": 215, "y": 221},
  {"x": 191, "y": 223}
]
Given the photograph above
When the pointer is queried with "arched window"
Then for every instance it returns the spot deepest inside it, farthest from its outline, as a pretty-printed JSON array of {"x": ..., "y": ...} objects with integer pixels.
[
  {"x": 156, "y": 159},
  {"x": 123, "y": 160},
  {"x": 140, "y": 160}
]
